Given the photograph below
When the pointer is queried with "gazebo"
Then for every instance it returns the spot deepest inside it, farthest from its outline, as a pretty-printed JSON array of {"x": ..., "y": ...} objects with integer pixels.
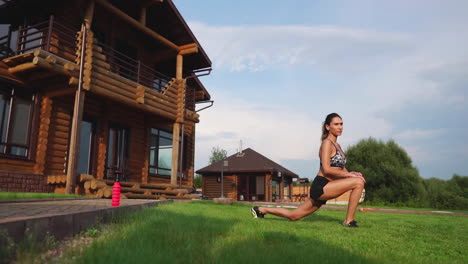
[{"x": 247, "y": 176}]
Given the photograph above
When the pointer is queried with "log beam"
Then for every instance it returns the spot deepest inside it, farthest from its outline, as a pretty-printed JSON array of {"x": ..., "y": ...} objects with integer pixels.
[{"x": 137, "y": 24}]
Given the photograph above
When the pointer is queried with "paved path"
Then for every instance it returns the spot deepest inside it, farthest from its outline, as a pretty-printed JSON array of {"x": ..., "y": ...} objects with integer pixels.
[
  {"x": 61, "y": 217},
  {"x": 20, "y": 210}
]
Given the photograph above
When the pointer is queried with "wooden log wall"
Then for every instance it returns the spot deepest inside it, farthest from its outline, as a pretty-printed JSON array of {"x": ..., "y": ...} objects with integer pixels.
[
  {"x": 101, "y": 80},
  {"x": 190, "y": 152},
  {"x": 212, "y": 188},
  {"x": 42, "y": 135},
  {"x": 14, "y": 165},
  {"x": 58, "y": 136}
]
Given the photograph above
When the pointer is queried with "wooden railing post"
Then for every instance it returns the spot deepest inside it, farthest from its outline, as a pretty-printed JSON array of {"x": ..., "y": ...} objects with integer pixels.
[
  {"x": 49, "y": 32},
  {"x": 138, "y": 71},
  {"x": 9, "y": 37},
  {"x": 19, "y": 40}
]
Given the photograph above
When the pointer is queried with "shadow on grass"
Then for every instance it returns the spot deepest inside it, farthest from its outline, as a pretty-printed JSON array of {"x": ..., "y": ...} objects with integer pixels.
[
  {"x": 310, "y": 218},
  {"x": 164, "y": 236},
  {"x": 281, "y": 247}
]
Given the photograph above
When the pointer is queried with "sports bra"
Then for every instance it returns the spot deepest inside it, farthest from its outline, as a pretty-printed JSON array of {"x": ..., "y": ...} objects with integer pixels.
[{"x": 337, "y": 160}]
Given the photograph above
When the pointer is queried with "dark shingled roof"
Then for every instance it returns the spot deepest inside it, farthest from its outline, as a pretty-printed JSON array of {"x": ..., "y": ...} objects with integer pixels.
[{"x": 250, "y": 161}]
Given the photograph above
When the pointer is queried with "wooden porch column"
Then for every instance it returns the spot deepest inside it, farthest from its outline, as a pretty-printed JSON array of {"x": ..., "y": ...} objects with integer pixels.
[
  {"x": 89, "y": 13},
  {"x": 269, "y": 192},
  {"x": 176, "y": 128},
  {"x": 73, "y": 148},
  {"x": 281, "y": 189}
]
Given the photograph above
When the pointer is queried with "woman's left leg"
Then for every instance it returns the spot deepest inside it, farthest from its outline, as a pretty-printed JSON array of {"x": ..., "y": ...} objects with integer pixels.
[
  {"x": 336, "y": 188},
  {"x": 302, "y": 211}
]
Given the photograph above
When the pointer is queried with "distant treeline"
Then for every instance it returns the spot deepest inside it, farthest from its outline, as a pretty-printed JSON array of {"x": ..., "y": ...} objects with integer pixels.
[{"x": 393, "y": 180}]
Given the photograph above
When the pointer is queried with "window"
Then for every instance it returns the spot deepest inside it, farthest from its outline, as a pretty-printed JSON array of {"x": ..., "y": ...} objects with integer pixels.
[
  {"x": 117, "y": 149},
  {"x": 85, "y": 159},
  {"x": 160, "y": 154},
  {"x": 16, "y": 112}
]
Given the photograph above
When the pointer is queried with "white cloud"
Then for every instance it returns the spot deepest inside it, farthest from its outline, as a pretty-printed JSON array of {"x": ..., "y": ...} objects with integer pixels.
[
  {"x": 419, "y": 134},
  {"x": 333, "y": 48},
  {"x": 390, "y": 69},
  {"x": 276, "y": 132}
]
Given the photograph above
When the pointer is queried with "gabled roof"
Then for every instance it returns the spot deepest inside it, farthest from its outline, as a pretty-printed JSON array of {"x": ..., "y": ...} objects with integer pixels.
[{"x": 250, "y": 161}]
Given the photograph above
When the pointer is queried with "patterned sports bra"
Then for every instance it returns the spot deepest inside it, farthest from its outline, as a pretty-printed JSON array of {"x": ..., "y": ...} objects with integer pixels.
[{"x": 337, "y": 160}]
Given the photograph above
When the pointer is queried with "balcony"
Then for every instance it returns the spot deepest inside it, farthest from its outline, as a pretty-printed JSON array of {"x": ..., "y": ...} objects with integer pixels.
[
  {"x": 54, "y": 46},
  {"x": 61, "y": 40}
]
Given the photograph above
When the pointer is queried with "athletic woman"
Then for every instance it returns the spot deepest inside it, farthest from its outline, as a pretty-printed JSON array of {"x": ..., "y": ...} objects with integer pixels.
[{"x": 332, "y": 180}]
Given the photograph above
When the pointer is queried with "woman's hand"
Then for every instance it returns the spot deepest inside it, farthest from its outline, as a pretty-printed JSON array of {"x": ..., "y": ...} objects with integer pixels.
[{"x": 359, "y": 175}]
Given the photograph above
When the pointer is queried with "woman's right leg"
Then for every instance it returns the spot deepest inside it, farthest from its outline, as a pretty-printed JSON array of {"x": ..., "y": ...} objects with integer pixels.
[
  {"x": 336, "y": 188},
  {"x": 303, "y": 210}
]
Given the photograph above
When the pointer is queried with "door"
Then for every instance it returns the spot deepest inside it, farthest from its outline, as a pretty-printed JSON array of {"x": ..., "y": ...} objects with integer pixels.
[
  {"x": 251, "y": 188},
  {"x": 243, "y": 191}
]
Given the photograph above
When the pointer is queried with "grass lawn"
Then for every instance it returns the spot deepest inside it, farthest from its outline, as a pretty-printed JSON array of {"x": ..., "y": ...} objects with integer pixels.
[
  {"x": 203, "y": 232},
  {"x": 25, "y": 195},
  {"x": 402, "y": 208}
]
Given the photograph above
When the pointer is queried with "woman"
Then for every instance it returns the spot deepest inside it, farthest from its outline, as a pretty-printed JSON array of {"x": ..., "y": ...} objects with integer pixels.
[{"x": 332, "y": 180}]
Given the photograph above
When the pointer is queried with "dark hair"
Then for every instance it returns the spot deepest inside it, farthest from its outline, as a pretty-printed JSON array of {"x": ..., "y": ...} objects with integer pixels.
[{"x": 328, "y": 120}]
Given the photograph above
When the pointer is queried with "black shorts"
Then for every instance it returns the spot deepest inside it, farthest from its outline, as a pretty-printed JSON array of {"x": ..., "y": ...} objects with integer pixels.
[{"x": 316, "y": 190}]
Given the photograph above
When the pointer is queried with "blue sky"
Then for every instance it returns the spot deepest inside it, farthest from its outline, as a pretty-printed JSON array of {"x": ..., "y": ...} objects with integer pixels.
[{"x": 392, "y": 69}]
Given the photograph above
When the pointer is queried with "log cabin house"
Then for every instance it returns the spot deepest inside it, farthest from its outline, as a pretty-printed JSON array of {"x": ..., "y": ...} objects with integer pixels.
[
  {"x": 97, "y": 87},
  {"x": 247, "y": 176}
]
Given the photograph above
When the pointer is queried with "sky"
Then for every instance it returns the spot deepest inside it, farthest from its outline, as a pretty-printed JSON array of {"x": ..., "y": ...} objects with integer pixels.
[{"x": 392, "y": 69}]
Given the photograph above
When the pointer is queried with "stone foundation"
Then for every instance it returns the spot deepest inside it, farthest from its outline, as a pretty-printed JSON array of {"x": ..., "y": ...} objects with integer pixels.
[{"x": 22, "y": 182}]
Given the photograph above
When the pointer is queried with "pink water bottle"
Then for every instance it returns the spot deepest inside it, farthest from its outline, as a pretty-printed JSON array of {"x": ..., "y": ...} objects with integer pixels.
[{"x": 116, "y": 194}]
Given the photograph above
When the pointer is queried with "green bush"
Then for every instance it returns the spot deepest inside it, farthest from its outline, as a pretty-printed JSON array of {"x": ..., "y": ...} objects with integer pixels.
[{"x": 393, "y": 180}]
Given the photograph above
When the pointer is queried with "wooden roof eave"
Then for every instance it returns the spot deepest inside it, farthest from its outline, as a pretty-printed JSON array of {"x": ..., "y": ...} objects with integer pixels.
[
  {"x": 189, "y": 31},
  {"x": 181, "y": 50},
  {"x": 200, "y": 90}
]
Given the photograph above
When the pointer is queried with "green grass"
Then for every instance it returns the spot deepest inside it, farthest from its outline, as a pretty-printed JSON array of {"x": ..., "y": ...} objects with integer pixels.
[
  {"x": 202, "y": 232},
  {"x": 24, "y": 195},
  {"x": 402, "y": 208}
]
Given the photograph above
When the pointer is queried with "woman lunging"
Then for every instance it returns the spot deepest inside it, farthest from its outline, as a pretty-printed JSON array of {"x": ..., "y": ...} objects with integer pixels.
[{"x": 332, "y": 180}]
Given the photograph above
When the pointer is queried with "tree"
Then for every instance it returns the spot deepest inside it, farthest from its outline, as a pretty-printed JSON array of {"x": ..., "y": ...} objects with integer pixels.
[
  {"x": 217, "y": 154},
  {"x": 390, "y": 175},
  {"x": 197, "y": 182},
  {"x": 451, "y": 194}
]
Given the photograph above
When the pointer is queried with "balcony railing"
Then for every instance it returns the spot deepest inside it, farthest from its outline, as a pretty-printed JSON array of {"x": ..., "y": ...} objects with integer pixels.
[
  {"x": 54, "y": 37},
  {"x": 5, "y": 46},
  {"x": 134, "y": 70},
  {"x": 51, "y": 36}
]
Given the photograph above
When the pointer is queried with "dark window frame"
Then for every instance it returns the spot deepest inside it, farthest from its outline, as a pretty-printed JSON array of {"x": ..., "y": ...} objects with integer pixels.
[
  {"x": 109, "y": 168},
  {"x": 12, "y": 93},
  {"x": 156, "y": 156},
  {"x": 92, "y": 167}
]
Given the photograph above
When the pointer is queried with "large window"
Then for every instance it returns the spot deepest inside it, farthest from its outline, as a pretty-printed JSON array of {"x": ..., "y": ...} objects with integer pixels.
[
  {"x": 16, "y": 111},
  {"x": 160, "y": 153}
]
